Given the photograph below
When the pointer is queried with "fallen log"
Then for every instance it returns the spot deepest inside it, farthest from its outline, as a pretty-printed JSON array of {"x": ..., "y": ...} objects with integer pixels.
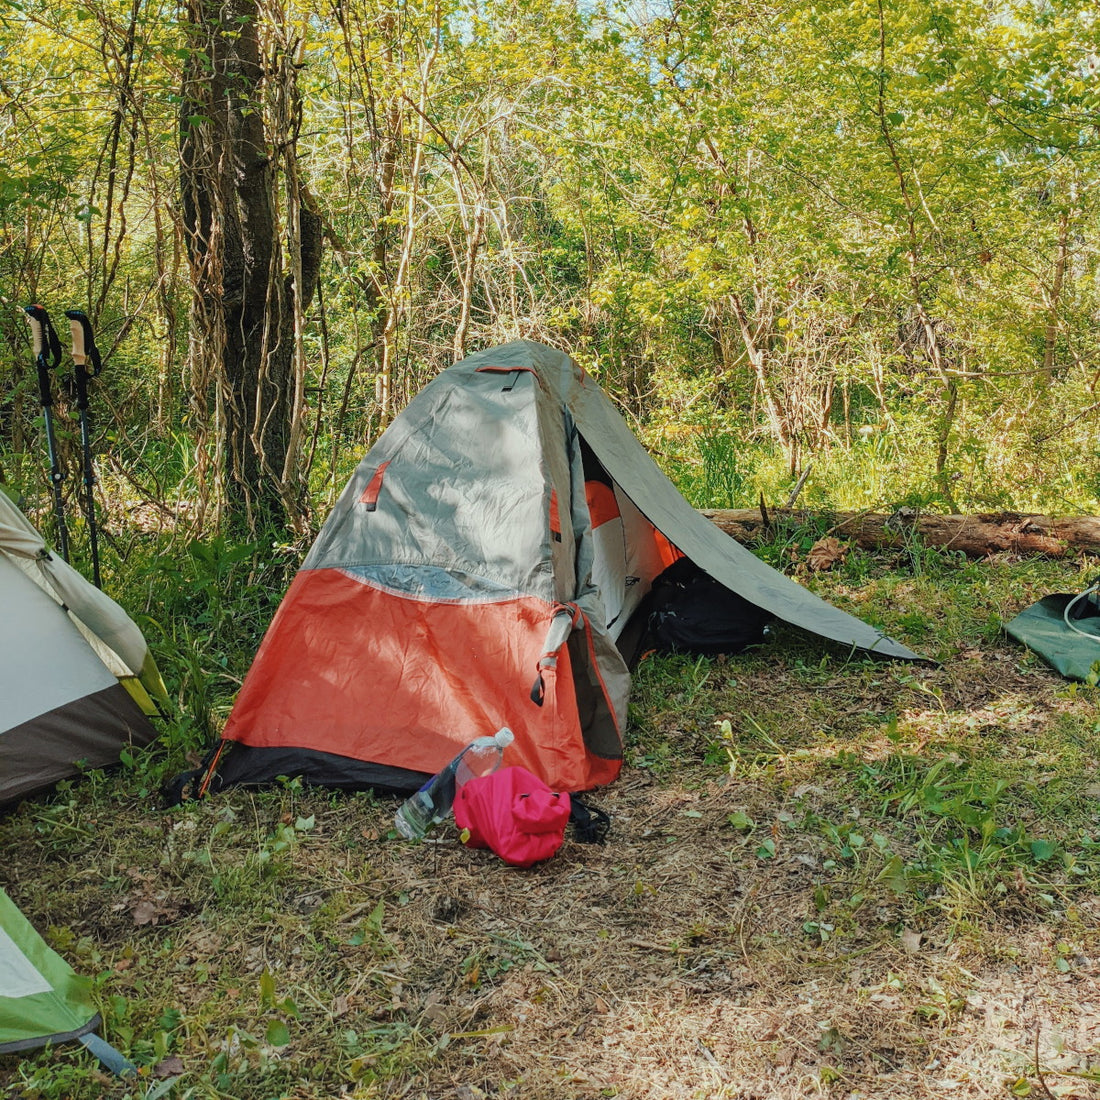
[{"x": 977, "y": 536}]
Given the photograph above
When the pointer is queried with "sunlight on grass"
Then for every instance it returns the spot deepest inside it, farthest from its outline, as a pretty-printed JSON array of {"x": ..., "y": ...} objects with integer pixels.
[{"x": 820, "y": 866}]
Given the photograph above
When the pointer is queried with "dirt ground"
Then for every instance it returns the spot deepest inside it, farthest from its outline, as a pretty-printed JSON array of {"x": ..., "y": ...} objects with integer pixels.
[
  {"x": 715, "y": 946},
  {"x": 664, "y": 965}
]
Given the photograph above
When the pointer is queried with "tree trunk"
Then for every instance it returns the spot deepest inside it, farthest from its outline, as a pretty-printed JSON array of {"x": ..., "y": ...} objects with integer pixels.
[
  {"x": 977, "y": 536},
  {"x": 1054, "y": 298},
  {"x": 243, "y": 307}
]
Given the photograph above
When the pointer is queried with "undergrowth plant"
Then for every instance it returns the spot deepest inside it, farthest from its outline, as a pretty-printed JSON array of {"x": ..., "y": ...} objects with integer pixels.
[
  {"x": 262, "y": 938},
  {"x": 935, "y": 808}
]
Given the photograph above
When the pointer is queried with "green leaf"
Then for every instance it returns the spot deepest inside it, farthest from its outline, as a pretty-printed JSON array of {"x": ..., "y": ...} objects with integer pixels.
[
  {"x": 894, "y": 876},
  {"x": 741, "y": 820},
  {"x": 160, "y": 1089},
  {"x": 1042, "y": 850},
  {"x": 374, "y": 921},
  {"x": 267, "y": 987},
  {"x": 278, "y": 1034}
]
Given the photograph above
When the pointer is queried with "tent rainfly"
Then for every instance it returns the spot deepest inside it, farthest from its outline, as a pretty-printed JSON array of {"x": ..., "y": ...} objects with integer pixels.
[
  {"x": 41, "y": 999},
  {"x": 483, "y": 568},
  {"x": 76, "y": 677}
]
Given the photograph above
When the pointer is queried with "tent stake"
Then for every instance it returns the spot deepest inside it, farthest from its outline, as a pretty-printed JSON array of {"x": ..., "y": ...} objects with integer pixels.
[{"x": 117, "y": 1063}]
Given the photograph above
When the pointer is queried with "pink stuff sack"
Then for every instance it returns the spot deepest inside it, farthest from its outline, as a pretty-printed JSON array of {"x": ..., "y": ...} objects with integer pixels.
[{"x": 513, "y": 813}]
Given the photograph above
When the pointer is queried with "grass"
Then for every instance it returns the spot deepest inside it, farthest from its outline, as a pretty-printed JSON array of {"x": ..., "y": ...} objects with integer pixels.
[{"x": 827, "y": 876}]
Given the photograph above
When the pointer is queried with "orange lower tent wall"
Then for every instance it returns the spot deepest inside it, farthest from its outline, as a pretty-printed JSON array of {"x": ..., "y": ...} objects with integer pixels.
[{"x": 353, "y": 670}]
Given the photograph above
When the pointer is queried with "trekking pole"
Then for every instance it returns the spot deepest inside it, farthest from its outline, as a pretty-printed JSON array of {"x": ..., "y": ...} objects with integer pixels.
[
  {"x": 47, "y": 357},
  {"x": 85, "y": 351}
]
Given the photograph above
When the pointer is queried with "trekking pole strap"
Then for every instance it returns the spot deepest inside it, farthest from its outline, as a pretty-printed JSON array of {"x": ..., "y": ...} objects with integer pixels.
[
  {"x": 47, "y": 357},
  {"x": 86, "y": 355},
  {"x": 85, "y": 352},
  {"x": 47, "y": 350}
]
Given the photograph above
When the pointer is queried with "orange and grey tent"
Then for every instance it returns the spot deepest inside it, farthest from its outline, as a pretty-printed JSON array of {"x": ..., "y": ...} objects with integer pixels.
[
  {"x": 478, "y": 571},
  {"x": 77, "y": 679}
]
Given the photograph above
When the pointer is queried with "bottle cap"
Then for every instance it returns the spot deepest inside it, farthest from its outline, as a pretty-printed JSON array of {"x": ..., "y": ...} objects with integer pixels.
[{"x": 504, "y": 736}]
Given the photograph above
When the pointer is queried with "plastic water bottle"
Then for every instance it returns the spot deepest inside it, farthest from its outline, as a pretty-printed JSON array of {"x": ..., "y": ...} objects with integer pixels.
[
  {"x": 433, "y": 802},
  {"x": 482, "y": 757}
]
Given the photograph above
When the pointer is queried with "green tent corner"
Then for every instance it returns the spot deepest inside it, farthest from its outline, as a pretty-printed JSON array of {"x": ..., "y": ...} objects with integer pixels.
[{"x": 42, "y": 1000}]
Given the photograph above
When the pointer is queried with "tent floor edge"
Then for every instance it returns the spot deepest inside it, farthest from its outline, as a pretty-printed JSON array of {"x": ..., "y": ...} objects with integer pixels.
[
  {"x": 194, "y": 784},
  {"x": 20, "y": 1046},
  {"x": 240, "y": 764}
]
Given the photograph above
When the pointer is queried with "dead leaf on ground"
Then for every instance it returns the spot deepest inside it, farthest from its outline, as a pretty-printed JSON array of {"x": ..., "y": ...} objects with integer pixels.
[
  {"x": 168, "y": 1067},
  {"x": 825, "y": 553},
  {"x": 150, "y": 908},
  {"x": 434, "y": 1010}
]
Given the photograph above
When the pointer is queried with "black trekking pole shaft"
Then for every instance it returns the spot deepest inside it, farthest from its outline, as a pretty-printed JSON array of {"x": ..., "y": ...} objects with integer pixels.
[
  {"x": 89, "y": 494},
  {"x": 47, "y": 357},
  {"x": 84, "y": 350}
]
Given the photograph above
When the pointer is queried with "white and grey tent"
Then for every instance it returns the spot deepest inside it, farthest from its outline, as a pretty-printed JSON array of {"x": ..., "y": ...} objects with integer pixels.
[
  {"x": 77, "y": 680},
  {"x": 481, "y": 569}
]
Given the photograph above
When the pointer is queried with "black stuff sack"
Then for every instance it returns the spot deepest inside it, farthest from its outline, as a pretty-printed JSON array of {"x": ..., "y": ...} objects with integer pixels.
[{"x": 690, "y": 612}]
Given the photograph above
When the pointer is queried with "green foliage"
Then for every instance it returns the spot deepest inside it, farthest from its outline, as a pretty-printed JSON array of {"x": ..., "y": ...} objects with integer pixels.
[
  {"x": 854, "y": 236},
  {"x": 880, "y": 260},
  {"x": 209, "y": 603}
]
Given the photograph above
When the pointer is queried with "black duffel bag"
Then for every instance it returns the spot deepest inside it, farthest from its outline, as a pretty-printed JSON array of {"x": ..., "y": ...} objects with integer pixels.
[{"x": 690, "y": 612}]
